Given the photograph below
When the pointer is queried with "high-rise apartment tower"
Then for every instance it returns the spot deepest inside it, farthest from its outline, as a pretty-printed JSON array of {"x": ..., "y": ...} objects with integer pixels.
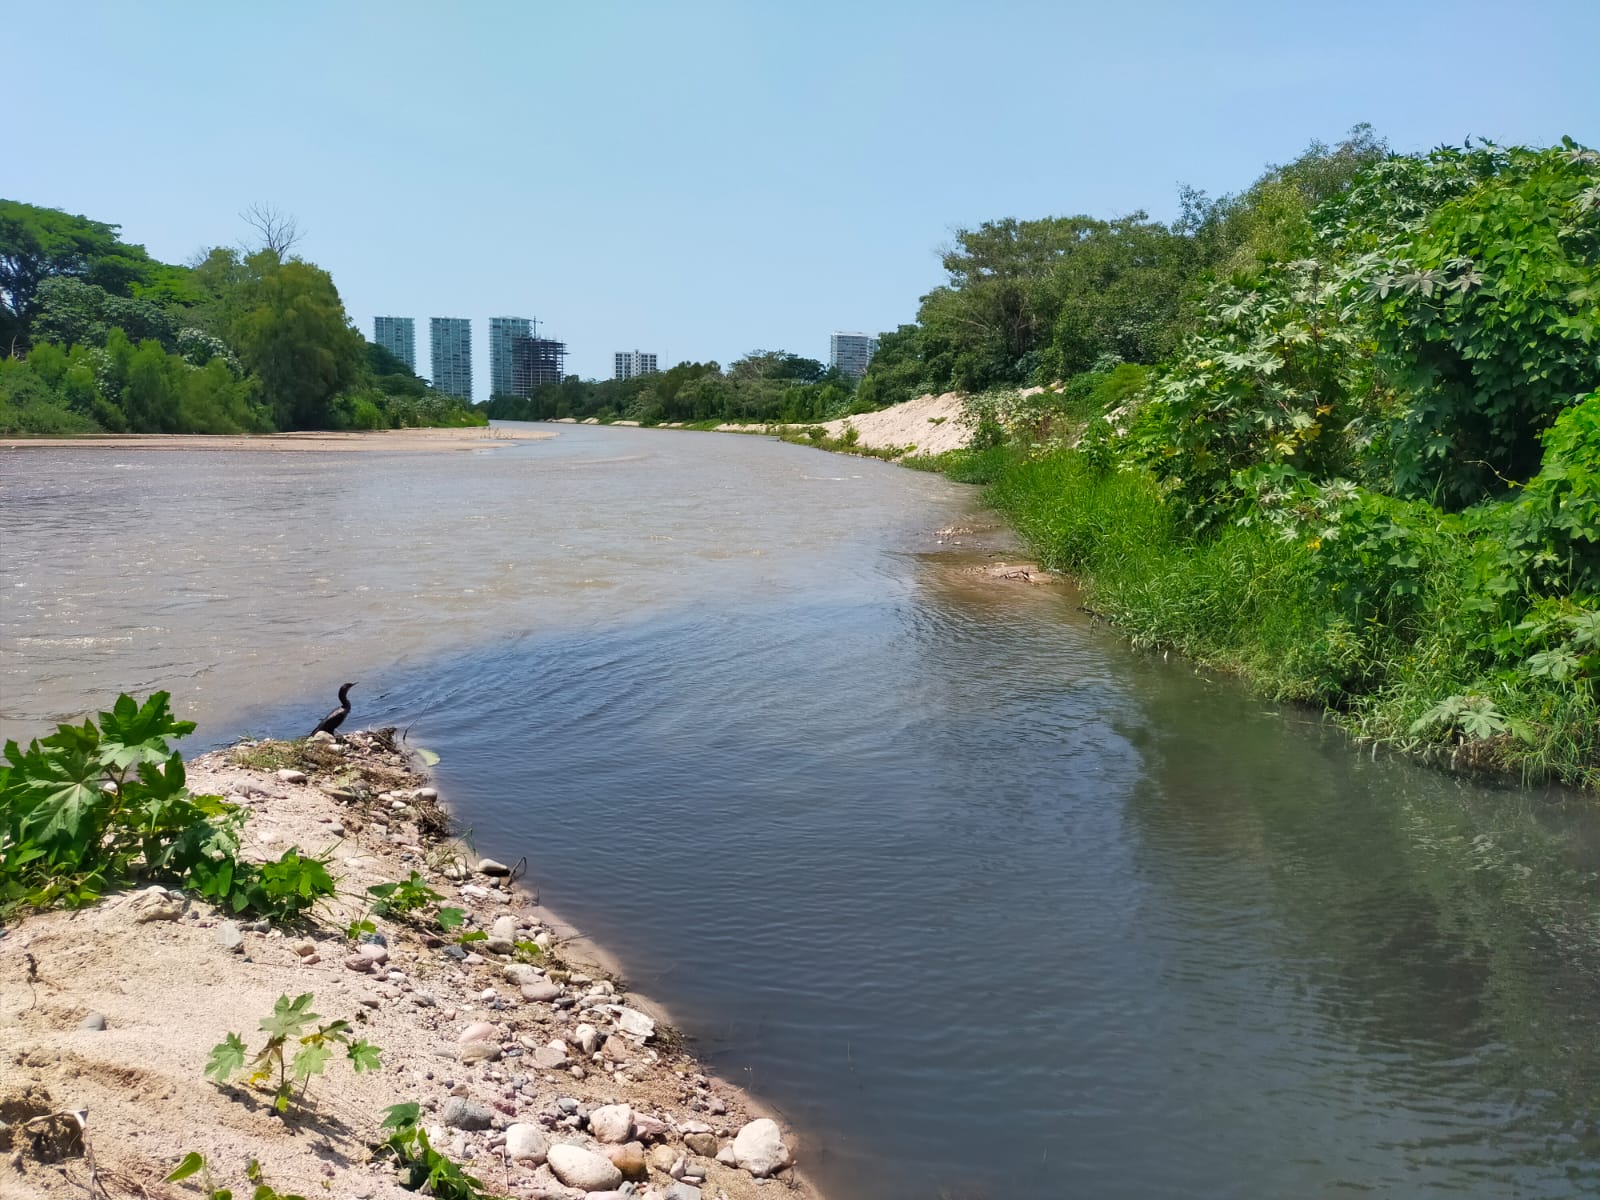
[
  {"x": 503, "y": 333},
  {"x": 397, "y": 335},
  {"x": 452, "y": 355},
  {"x": 851, "y": 352},
  {"x": 633, "y": 363}
]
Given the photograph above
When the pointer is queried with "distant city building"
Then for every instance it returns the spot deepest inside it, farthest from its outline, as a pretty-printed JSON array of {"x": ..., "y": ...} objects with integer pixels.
[
  {"x": 633, "y": 363},
  {"x": 503, "y": 332},
  {"x": 452, "y": 355},
  {"x": 536, "y": 361},
  {"x": 397, "y": 335},
  {"x": 850, "y": 353}
]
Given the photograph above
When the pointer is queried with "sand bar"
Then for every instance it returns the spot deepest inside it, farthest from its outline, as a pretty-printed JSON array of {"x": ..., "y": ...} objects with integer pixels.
[{"x": 385, "y": 440}]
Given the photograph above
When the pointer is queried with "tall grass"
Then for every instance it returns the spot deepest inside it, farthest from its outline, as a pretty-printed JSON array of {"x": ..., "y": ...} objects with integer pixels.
[{"x": 1248, "y": 601}]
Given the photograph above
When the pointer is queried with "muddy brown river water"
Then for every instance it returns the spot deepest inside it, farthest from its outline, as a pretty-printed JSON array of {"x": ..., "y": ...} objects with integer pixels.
[{"x": 985, "y": 902}]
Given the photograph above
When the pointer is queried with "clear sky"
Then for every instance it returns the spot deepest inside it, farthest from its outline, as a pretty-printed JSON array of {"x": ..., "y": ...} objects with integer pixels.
[{"x": 703, "y": 179}]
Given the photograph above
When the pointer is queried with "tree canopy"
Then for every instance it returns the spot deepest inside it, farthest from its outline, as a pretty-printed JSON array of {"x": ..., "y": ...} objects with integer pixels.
[{"x": 96, "y": 334}]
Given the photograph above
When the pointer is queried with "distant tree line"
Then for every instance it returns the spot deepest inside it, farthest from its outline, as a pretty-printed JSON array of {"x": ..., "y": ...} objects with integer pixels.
[
  {"x": 763, "y": 386},
  {"x": 98, "y": 336}
]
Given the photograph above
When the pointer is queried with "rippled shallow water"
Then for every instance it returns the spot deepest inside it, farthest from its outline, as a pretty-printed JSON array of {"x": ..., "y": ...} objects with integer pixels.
[{"x": 984, "y": 902}]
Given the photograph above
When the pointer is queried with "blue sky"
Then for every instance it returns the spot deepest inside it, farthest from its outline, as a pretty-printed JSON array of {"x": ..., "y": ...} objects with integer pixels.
[{"x": 702, "y": 179}]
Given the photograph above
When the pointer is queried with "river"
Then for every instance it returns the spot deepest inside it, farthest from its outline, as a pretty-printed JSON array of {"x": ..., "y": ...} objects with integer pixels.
[{"x": 983, "y": 901}]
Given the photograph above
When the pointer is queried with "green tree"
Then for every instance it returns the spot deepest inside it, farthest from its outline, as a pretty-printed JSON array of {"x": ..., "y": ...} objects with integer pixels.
[
  {"x": 293, "y": 335},
  {"x": 75, "y": 312},
  {"x": 37, "y": 243}
]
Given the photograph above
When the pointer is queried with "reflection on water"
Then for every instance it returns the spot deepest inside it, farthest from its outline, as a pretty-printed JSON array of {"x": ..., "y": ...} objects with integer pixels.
[{"x": 978, "y": 897}]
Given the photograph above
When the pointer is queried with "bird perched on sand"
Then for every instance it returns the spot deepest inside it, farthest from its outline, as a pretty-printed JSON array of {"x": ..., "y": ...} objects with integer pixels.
[{"x": 335, "y": 718}]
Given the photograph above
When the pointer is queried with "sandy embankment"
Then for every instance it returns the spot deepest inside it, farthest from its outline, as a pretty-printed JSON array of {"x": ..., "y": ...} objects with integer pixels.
[
  {"x": 929, "y": 424},
  {"x": 114, "y": 1009},
  {"x": 390, "y": 440}
]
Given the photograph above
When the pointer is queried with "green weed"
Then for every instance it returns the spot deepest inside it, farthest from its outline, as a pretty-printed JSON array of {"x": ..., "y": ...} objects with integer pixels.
[{"x": 290, "y": 1025}]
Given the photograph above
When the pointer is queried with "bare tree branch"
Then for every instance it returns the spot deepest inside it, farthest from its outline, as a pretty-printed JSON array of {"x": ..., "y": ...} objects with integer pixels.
[{"x": 278, "y": 230}]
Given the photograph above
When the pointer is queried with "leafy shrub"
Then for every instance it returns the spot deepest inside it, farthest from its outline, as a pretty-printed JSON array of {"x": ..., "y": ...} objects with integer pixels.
[
  {"x": 93, "y": 807},
  {"x": 90, "y": 807},
  {"x": 1486, "y": 312},
  {"x": 1277, "y": 376}
]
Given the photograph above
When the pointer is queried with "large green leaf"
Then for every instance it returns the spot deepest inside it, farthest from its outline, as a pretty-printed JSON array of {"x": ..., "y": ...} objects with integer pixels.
[
  {"x": 132, "y": 733},
  {"x": 289, "y": 1017}
]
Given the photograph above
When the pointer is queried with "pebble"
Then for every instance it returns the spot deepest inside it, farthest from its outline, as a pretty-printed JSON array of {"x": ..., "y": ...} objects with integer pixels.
[
  {"x": 488, "y": 866},
  {"x": 759, "y": 1148},
  {"x": 229, "y": 938},
  {"x": 611, "y": 1123},
  {"x": 290, "y": 775},
  {"x": 703, "y": 1144},
  {"x": 628, "y": 1158},
  {"x": 359, "y": 962},
  {"x": 648, "y": 1128},
  {"x": 543, "y": 989},
  {"x": 153, "y": 904},
  {"x": 305, "y": 949},
  {"x": 478, "y": 1031},
  {"x": 587, "y": 1036},
  {"x": 662, "y": 1157},
  {"x": 551, "y": 1056},
  {"x": 725, "y": 1156},
  {"x": 478, "y": 1052},
  {"x": 375, "y": 953},
  {"x": 502, "y": 936},
  {"x": 464, "y": 1114},
  {"x": 681, "y": 1191},
  {"x": 580, "y": 1168},
  {"x": 526, "y": 1143},
  {"x": 93, "y": 1021},
  {"x": 635, "y": 1024}
]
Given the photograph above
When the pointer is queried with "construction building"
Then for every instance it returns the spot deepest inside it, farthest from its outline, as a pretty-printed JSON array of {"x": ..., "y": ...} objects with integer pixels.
[
  {"x": 536, "y": 361},
  {"x": 849, "y": 353},
  {"x": 397, "y": 335},
  {"x": 633, "y": 363},
  {"x": 452, "y": 355}
]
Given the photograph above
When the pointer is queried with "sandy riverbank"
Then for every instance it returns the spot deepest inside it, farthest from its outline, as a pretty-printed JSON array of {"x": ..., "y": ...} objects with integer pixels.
[
  {"x": 926, "y": 425},
  {"x": 114, "y": 1009},
  {"x": 386, "y": 440}
]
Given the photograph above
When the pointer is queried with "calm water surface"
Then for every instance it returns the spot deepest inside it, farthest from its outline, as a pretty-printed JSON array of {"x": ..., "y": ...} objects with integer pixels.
[{"x": 984, "y": 902}]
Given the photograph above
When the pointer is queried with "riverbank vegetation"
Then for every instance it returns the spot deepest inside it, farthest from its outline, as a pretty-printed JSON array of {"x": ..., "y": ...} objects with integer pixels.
[
  {"x": 95, "y": 335},
  {"x": 763, "y": 386},
  {"x": 1339, "y": 432}
]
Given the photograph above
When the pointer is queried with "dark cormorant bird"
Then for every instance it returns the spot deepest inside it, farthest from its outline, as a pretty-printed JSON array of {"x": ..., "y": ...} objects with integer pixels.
[{"x": 336, "y": 718}]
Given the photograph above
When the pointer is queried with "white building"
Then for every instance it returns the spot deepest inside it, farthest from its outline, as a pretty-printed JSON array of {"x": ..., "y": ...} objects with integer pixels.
[
  {"x": 397, "y": 335},
  {"x": 452, "y": 355},
  {"x": 849, "y": 353},
  {"x": 503, "y": 333},
  {"x": 633, "y": 363}
]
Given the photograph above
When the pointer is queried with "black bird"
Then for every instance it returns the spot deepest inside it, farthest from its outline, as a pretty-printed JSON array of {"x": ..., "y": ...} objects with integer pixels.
[{"x": 336, "y": 718}]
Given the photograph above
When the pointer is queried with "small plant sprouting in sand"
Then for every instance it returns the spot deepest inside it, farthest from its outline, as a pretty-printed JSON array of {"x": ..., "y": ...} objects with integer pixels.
[
  {"x": 195, "y": 1163},
  {"x": 286, "y": 1027},
  {"x": 422, "y": 1168}
]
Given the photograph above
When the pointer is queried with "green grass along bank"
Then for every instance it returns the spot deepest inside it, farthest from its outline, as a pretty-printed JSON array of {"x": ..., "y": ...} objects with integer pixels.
[{"x": 1398, "y": 623}]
